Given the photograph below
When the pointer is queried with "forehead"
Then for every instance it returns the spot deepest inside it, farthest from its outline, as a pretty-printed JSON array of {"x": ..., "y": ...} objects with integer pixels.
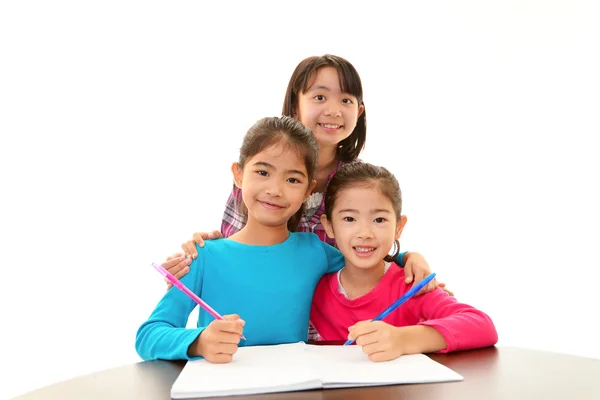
[
  {"x": 324, "y": 77},
  {"x": 363, "y": 198},
  {"x": 282, "y": 155}
]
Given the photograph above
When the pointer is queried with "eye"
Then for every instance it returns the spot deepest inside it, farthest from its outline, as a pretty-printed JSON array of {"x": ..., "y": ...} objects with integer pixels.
[
  {"x": 348, "y": 219},
  {"x": 380, "y": 220},
  {"x": 262, "y": 172},
  {"x": 293, "y": 180},
  {"x": 348, "y": 101},
  {"x": 319, "y": 97}
]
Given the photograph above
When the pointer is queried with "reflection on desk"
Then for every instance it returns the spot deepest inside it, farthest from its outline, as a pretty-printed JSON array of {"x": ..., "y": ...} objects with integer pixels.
[{"x": 491, "y": 373}]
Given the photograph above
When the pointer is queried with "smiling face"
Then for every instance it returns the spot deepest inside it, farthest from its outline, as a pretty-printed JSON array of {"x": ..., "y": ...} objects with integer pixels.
[
  {"x": 274, "y": 183},
  {"x": 330, "y": 113},
  {"x": 364, "y": 224}
]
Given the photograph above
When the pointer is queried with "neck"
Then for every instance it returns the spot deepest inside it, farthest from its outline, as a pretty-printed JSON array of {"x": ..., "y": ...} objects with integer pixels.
[
  {"x": 360, "y": 281},
  {"x": 326, "y": 164},
  {"x": 257, "y": 234}
]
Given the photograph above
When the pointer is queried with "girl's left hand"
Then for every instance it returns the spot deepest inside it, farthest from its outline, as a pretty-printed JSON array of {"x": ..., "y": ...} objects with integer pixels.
[
  {"x": 416, "y": 269},
  {"x": 379, "y": 340}
]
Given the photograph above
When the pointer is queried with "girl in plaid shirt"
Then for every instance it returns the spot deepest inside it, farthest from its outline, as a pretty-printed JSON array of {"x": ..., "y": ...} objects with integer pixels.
[{"x": 325, "y": 94}]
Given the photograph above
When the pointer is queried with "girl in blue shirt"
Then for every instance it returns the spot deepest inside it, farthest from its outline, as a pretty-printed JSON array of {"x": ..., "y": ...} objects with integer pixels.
[{"x": 262, "y": 277}]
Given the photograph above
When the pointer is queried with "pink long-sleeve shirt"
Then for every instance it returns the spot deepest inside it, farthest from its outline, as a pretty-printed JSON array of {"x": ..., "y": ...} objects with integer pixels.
[{"x": 462, "y": 326}]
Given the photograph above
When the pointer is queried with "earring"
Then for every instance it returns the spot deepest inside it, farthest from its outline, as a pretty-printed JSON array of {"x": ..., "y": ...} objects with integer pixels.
[{"x": 396, "y": 249}]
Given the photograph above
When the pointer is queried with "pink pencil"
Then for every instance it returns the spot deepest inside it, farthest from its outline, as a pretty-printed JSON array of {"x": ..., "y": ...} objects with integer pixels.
[{"x": 177, "y": 283}]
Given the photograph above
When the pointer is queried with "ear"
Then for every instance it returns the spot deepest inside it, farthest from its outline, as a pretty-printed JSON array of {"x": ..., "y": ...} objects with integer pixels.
[
  {"x": 400, "y": 226},
  {"x": 361, "y": 110},
  {"x": 327, "y": 225},
  {"x": 295, "y": 112},
  {"x": 237, "y": 174},
  {"x": 310, "y": 189}
]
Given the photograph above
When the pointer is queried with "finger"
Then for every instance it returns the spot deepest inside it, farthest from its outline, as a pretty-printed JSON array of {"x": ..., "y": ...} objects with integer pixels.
[
  {"x": 232, "y": 317},
  {"x": 200, "y": 237},
  {"x": 226, "y": 348},
  {"x": 182, "y": 272},
  {"x": 180, "y": 269},
  {"x": 372, "y": 348},
  {"x": 408, "y": 274},
  {"x": 189, "y": 248},
  {"x": 230, "y": 338},
  {"x": 172, "y": 256},
  {"x": 355, "y": 329},
  {"x": 380, "y": 356},
  {"x": 215, "y": 234},
  {"x": 428, "y": 288},
  {"x": 220, "y": 358},
  {"x": 360, "y": 332},
  {"x": 445, "y": 289},
  {"x": 235, "y": 327},
  {"x": 170, "y": 263}
]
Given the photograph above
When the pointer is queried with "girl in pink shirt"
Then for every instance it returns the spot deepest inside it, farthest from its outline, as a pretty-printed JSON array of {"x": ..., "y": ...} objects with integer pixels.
[{"x": 363, "y": 208}]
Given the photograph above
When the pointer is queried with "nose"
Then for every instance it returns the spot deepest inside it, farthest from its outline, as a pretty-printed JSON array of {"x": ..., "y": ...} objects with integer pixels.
[
  {"x": 365, "y": 231},
  {"x": 274, "y": 189},
  {"x": 333, "y": 110}
]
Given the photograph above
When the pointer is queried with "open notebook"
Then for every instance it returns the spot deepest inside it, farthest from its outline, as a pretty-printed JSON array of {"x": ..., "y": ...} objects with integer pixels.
[{"x": 298, "y": 366}]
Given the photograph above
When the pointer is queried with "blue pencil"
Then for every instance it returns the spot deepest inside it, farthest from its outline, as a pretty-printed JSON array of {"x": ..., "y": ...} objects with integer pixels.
[{"x": 401, "y": 300}]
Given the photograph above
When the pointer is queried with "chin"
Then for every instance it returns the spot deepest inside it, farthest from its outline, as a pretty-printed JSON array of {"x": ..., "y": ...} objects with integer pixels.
[{"x": 272, "y": 223}]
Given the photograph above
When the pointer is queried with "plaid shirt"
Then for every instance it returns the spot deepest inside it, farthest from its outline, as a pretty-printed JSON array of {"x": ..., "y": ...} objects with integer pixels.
[{"x": 234, "y": 220}]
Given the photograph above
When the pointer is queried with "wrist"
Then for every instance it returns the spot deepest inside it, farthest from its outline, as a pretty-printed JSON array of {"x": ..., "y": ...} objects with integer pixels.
[
  {"x": 402, "y": 258},
  {"x": 194, "y": 349},
  {"x": 400, "y": 341}
]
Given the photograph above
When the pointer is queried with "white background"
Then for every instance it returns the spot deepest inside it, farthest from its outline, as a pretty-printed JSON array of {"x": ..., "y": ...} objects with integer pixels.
[{"x": 120, "y": 119}]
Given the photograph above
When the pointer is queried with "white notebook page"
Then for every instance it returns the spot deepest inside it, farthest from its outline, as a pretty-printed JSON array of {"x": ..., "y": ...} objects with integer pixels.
[
  {"x": 256, "y": 369},
  {"x": 347, "y": 365}
]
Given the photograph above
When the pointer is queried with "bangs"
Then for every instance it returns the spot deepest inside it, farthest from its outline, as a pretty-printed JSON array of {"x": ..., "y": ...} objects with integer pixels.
[
  {"x": 303, "y": 152},
  {"x": 348, "y": 77}
]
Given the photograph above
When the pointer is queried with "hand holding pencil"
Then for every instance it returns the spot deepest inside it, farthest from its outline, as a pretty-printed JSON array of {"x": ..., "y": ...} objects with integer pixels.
[{"x": 219, "y": 341}]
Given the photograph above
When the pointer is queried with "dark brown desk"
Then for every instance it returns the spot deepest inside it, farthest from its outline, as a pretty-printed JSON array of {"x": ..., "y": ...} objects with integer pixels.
[{"x": 492, "y": 373}]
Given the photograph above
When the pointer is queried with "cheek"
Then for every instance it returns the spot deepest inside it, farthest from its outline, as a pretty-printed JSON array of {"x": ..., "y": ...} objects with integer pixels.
[{"x": 307, "y": 112}]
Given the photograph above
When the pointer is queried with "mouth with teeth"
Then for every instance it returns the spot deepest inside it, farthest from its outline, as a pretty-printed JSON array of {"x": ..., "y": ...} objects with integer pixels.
[
  {"x": 330, "y": 127},
  {"x": 364, "y": 251}
]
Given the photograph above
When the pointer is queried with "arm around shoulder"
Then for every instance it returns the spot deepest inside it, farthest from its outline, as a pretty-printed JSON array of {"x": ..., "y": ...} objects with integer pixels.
[{"x": 335, "y": 258}]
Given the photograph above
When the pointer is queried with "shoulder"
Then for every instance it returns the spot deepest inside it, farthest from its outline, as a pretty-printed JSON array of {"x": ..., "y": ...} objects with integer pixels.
[
  {"x": 215, "y": 246},
  {"x": 306, "y": 238},
  {"x": 323, "y": 287},
  {"x": 393, "y": 281}
]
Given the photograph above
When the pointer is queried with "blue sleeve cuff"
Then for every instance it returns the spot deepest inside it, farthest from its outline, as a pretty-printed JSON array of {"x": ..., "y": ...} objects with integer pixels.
[{"x": 400, "y": 258}]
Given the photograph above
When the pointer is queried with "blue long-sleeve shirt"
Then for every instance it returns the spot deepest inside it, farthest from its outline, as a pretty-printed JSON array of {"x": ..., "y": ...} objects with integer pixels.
[{"x": 269, "y": 287}]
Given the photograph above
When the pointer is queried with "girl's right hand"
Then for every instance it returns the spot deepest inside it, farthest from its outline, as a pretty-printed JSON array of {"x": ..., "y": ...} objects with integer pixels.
[
  {"x": 218, "y": 342},
  {"x": 189, "y": 247}
]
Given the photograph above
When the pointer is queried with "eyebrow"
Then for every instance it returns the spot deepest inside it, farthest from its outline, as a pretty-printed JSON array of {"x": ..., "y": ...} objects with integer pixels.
[
  {"x": 374, "y": 211},
  {"x": 320, "y": 87},
  {"x": 267, "y": 165}
]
